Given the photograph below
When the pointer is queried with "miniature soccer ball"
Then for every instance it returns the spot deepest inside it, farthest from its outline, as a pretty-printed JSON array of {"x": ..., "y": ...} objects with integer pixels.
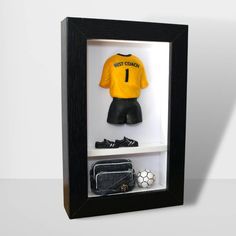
[{"x": 145, "y": 178}]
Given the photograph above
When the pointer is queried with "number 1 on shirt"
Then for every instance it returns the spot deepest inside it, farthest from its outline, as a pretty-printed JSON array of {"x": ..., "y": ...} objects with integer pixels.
[{"x": 126, "y": 75}]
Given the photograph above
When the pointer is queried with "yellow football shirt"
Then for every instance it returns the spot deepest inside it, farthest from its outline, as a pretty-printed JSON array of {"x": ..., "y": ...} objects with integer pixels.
[{"x": 124, "y": 75}]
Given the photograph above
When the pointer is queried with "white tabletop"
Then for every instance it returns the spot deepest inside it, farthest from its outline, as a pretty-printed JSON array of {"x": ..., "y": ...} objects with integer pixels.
[{"x": 35, "y": 207}]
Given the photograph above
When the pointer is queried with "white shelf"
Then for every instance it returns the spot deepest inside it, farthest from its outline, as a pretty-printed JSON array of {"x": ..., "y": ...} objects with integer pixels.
[
  {"x": 93, "y": 152},
  {"x": 136, "y": 189},
  {"x": 124, "y": 41}
]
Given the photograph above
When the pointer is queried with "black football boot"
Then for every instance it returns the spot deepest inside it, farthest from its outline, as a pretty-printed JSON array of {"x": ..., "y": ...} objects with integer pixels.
[
  {"x": 106, "y": 144},
  {"x": 126, "y": 142}
]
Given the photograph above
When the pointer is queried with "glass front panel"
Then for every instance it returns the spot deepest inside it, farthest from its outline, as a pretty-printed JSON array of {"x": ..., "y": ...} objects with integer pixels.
[{"x": 127, "y": 110}]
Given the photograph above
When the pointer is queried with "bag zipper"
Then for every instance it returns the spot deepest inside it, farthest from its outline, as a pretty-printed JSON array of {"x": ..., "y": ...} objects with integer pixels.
[{"x": 114, "y": 163}]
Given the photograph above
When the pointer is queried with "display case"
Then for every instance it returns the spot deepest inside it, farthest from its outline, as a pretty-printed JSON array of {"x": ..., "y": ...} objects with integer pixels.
[{"x": 145, "y": 168}]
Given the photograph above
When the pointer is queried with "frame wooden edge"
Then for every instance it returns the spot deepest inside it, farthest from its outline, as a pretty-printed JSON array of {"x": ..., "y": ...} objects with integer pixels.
[
  {"x": 167, "y": 31},
  {"x": 74, "y": 127},
  {"x": 66, "y": 189},
  {"x": 177, "y": 118},
  {"x": 94, "y": 206}
]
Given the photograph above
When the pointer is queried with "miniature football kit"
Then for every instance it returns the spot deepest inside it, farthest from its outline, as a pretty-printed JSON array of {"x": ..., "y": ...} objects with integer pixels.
[{"x": 125, "y": 76}]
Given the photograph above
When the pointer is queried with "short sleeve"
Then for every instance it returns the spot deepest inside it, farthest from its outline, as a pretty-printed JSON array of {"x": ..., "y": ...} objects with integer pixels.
[
  {"x": 143, "y": 80},
  {"x": 106, "y": 76}
]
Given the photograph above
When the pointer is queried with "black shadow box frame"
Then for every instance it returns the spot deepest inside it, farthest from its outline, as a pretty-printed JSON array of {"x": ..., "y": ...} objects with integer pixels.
[{"x": 75, "y": 33}]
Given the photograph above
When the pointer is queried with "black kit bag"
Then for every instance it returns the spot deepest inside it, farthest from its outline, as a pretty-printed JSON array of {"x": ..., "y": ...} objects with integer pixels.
[{"x": 112, "y": 176}]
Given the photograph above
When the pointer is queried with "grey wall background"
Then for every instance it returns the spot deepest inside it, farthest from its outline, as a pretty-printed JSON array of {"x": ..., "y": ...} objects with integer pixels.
[{"x": 30, "y": 120}]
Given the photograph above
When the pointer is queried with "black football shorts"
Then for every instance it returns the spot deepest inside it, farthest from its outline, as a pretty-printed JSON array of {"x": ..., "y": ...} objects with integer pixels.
[{"x": 124, "y": 110}]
